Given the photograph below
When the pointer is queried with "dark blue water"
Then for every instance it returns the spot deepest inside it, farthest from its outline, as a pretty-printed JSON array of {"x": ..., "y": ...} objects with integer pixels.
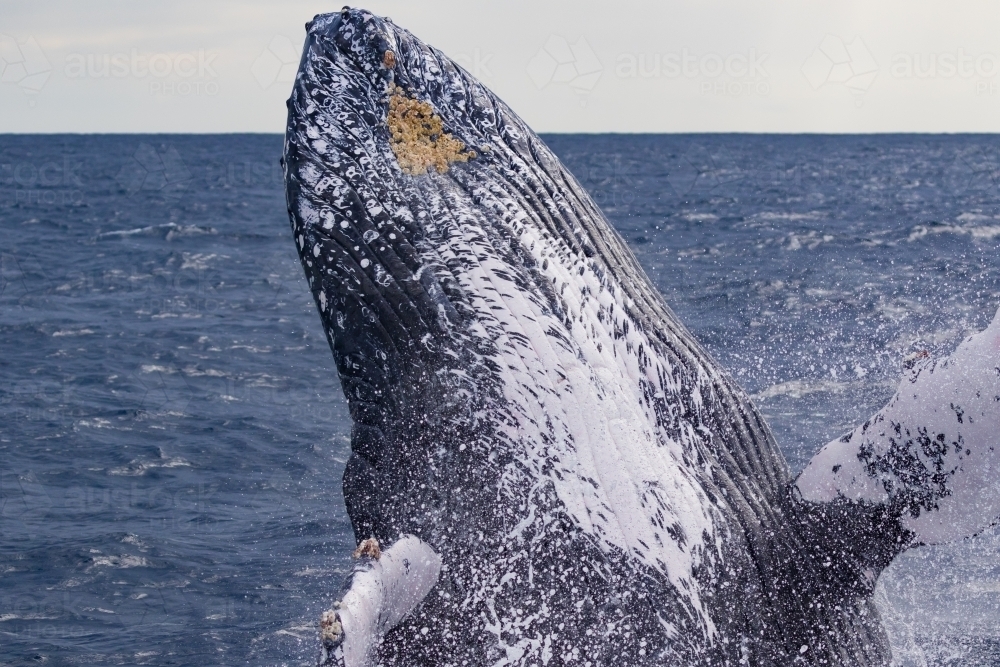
[{"x": 172, "y": 432}]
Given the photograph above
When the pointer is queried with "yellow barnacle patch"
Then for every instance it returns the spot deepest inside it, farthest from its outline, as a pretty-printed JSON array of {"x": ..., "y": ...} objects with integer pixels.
[{"x": 418, "y": 138}]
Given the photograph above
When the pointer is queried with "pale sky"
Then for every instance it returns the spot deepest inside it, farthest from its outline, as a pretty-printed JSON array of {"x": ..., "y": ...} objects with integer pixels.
[{"x": 699, "y": 66}]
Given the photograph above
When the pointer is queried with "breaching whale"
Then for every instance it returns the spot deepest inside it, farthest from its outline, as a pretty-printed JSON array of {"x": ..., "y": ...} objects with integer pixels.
[{"x": 546, "y": 467}]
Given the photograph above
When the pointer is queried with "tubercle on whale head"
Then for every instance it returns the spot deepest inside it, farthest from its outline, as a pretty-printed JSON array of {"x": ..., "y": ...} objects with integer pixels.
[{"x": 366, "y": 38}]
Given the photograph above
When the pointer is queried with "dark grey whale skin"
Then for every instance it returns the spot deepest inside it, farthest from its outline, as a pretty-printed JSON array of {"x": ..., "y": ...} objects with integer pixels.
[{"x": 785, "y": 582}]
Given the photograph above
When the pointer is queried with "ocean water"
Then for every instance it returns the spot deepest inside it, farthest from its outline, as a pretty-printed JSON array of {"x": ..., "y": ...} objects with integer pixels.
[{"x": 172, "y": 432}]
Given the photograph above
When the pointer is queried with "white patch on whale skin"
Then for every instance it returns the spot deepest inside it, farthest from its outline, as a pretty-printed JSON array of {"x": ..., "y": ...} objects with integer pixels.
[
  {"x": 579, "y": 396},
  {"x": 944, "y": 420}
]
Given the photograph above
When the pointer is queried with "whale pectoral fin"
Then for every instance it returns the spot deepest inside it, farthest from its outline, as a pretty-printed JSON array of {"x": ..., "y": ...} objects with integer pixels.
[
  {"x": 931, "y": 457},
  {"x": 383, "y": 589}
]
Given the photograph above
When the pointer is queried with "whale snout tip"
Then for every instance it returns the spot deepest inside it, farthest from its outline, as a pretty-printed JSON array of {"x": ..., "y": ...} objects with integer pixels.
[
  {"x": 368, "y": 40},
  {"x": 323, "y": 24}
]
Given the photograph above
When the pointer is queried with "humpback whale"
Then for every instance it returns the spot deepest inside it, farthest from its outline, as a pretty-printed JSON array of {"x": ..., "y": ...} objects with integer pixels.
[{"x": 547, "y": 468}]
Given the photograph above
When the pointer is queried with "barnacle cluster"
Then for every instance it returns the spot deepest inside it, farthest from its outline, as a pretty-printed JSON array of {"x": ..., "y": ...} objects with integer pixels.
[
  {"x": 417, "y": 136},
  {"x": 369, "y": 549},
  {"x": 331, "y": 632}
]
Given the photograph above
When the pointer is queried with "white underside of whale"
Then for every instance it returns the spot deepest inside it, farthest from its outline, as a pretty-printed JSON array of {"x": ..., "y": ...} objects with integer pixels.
[
  {"x": 579, "y": 397},
  {"x": 946, "y": 415}
]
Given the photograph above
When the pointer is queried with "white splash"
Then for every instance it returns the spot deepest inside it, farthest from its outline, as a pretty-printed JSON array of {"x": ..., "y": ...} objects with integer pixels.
[{"x": 944, "y": 424}]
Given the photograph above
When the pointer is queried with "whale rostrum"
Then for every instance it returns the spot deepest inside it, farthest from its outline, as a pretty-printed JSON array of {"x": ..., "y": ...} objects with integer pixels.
[{"x": 547, "y": 468}]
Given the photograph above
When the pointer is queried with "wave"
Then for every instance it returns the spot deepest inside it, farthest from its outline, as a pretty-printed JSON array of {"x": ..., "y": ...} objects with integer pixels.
[
  {"x": 800, "y": 388},
  {"x": 978, "y": 232},
  {"x": 169, "y": 231},
  {"x": 69, "y": 332},
  {"x": 136, "y": 467},
  {"x": 120, "y": 562},
  {"x": 793, "y": 217},
  {"x": 197, "y": 260}
]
